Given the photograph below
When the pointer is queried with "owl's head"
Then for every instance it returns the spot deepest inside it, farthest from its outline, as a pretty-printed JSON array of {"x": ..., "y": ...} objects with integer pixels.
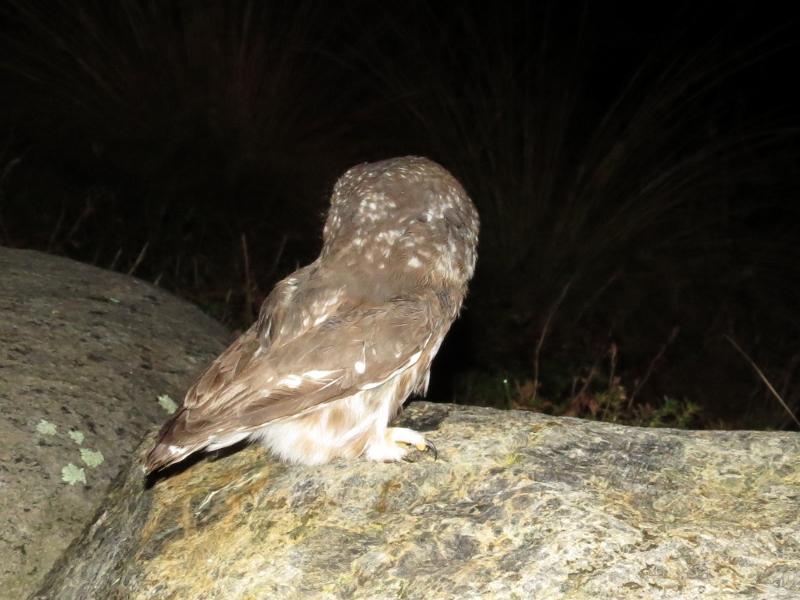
[{"x": 403, "y": 215}]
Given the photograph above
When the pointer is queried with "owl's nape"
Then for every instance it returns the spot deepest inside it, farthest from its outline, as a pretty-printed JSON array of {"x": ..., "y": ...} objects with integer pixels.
[{"x": 341, "y": 343}]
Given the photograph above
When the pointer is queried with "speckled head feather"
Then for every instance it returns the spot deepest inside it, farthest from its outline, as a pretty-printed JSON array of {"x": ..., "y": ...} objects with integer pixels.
[{"x": 341, "y": 343}]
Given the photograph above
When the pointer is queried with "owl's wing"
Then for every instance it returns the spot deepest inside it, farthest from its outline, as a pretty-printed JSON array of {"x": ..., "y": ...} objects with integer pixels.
[
  {"x": 246, "y": 388},
  {"x": 254, "y": 342}
]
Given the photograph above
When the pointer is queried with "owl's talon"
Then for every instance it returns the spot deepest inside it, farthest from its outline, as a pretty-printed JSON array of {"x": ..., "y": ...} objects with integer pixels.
[
  {"x": 429, "y": 445},
  {"x": 395, "y": 444},
  {"x": 410, "y": 437}
]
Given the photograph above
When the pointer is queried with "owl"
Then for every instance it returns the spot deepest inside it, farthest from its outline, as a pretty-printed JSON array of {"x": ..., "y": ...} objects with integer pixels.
[{"x": 340, "y": 344}]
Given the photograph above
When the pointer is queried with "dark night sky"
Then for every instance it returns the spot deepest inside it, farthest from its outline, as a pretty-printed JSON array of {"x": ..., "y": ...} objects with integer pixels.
[{"x": 641, "y": 156}]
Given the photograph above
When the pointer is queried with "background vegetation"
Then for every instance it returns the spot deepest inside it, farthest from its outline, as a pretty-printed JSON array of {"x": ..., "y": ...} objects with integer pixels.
[{"x": 635, "y": 170}]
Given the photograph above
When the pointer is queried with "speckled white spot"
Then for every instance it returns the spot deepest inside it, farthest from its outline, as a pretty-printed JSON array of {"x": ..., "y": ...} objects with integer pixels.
[
  {"x": 291, "y": 381},
  {"x": 318, "y": 373}
]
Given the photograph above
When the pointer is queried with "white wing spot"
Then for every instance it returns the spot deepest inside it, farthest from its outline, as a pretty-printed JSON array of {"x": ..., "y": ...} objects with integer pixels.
[
  {"x": 360, "y": 367},
  {"x": 414, "y": 262},
  {"x": 317, "y": 373},
  {"x": 292, "y": 381},
  {"x": 371, "y": 386}
]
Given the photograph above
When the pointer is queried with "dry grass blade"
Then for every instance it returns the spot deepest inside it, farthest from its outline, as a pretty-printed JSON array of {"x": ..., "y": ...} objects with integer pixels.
[
  {"x": 139, "y": 258},
  {"x": 248, "y": 282},
  {"x": 543, "y": 335},
  {"x": 766, "y": 381},
  {"x": 672, "y": 335}
]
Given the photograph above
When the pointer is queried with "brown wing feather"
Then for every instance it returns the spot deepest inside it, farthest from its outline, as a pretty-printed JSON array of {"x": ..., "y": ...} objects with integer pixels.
[{"x": 245, "y": 389}]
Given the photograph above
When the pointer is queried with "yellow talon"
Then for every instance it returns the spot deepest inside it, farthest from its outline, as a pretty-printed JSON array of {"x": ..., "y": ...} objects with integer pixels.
[{"x": 400, "y": 435}]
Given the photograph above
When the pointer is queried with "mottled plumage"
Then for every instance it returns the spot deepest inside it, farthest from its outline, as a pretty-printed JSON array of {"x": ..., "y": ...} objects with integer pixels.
[{"x": 341, "y": 343}]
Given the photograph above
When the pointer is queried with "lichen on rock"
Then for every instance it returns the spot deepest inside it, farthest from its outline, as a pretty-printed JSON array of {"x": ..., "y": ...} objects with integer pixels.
[
  {"x": 81, "y": 351},
  {"x": 518, "y": 505}
]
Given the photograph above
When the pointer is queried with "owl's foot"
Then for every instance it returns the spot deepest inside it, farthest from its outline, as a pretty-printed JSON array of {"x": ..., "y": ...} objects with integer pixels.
[
  {"x": 410, "y": 437},
  {"x": 392, "y": 447}
]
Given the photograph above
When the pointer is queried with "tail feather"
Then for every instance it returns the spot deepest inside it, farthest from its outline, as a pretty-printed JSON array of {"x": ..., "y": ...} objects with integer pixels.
[
  {"x": 164, "y": 455},
  {"x": 167, "y": 450},
  {"x": 177, "y": 440}
]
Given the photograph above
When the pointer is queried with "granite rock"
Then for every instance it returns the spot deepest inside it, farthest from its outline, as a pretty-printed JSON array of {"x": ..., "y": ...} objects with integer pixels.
[
  {"x": 518, "y": 505},
  {"x": 85, "y": 355}
]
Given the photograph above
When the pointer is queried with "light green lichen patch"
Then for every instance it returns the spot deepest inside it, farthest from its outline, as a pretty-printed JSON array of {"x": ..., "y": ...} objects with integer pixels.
[
  {"x": 93, "y": 458},
  {"x": 45, "y": 427},
  {"x": 76, "y": 436},
  {"x": 167, "y": 403},
  {"x": 71, "y": 474},
  {"x": 113, "y": 300}
]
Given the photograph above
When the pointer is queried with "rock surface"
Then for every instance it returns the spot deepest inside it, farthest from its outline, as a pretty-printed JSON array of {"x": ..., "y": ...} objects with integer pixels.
[
  {"x": 84, "y": 356},
  {"x": 518, "y": 505}
]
